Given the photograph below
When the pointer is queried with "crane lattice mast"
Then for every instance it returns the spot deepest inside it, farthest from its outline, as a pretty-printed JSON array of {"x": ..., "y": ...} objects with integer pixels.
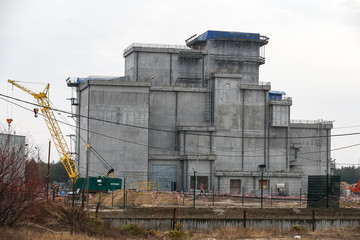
[{"x": 58, "y": 138}]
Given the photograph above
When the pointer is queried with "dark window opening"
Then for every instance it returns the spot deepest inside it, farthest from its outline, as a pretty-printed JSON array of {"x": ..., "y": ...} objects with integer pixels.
[
  {"x": 200, "y": 180},
  {"x": 235, "y": 186}
]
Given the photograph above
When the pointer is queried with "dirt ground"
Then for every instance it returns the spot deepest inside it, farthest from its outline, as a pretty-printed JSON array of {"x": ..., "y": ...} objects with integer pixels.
[{"x": 174, "y": 199}]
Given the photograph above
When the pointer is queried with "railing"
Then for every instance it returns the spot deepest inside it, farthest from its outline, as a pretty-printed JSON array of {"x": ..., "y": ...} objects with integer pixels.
[
  {"x": 194, "y": 76},
  {"x": 236, "y": 58},
  {"x": 145, "y": 186},
  {"x": 264, "y": 38},
  {"x": 319, "y": 121},
  {"x": 264, "y": 83},
  {"x": 150, "y": 45}
]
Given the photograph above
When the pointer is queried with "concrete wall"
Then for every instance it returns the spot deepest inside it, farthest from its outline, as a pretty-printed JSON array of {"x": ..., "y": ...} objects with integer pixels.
[
  {"x": 313, "y": 155},
  {"x": 13, "y": 141},
  {"x": 165, "y": 224},
  {"x": 113, "y": 112}
]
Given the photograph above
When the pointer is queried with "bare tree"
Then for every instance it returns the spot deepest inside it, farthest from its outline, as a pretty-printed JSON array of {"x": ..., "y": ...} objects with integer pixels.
[{"x": 20, "y": 181}]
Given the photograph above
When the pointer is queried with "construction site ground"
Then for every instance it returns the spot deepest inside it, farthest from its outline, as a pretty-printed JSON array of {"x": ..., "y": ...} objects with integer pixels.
[{"x": 115, "y": 200}]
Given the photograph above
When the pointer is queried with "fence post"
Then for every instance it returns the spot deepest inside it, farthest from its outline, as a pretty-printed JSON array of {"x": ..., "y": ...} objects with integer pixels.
[
  {"x": 126, "y": 198},
  {"x": 300, "y": 196},
  {"x": 244, "y": 218},
  {"x": 313, "y": 220},
  {"x": 194, "y": 187},
  {"x": 242, "y": 196},
  {"x": 271, "y": 195},
  {"x": 183, "y": 198},
  {"x": 174, "y": 219},
  {"x": 124, "y": 191},
  {"x": 213, "y": 189}
]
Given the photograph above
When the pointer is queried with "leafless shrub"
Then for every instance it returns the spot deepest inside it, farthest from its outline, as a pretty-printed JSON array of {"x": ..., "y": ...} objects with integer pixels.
[{"x": 20, "y": 181}]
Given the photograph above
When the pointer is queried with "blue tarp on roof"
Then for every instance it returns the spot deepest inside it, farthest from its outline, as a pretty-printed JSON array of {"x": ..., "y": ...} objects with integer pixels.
[
  {"x": 226, "y": 35},
  {"x": 276, "y": 95},
  {"x": 277, "y": 92}
]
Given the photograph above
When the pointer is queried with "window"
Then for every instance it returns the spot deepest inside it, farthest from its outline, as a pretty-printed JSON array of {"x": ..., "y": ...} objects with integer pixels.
[
  {"x": 199, "y": 180},
  {"x": 266, "y": 184},
  {"x": 235, "y": 186}
]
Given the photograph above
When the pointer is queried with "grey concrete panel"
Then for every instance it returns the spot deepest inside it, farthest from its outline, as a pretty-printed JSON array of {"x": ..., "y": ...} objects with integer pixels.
[
  {"x": 162, "y": 116},
  {"x": 227, "y": 100},
  {"x": 130, "y": 66},
  {"x": 122, "y": 146},
  {"x": 191, "y": 107},
  {"x": 277, "y": 149},
  {"x": 280, "y": 115},
  {"x": 154, "y": 64}
]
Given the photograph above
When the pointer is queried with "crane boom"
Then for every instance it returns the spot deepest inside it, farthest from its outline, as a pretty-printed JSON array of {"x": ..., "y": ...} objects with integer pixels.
[{"x": 58, "y": 138}]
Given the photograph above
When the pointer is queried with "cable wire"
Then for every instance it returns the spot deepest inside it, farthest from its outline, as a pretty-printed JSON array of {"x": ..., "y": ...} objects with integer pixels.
[{"x": 188, "y": 133}]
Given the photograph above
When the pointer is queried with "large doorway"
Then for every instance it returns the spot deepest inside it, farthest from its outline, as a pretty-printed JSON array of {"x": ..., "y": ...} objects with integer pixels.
[{"x": 166, "y": 175}]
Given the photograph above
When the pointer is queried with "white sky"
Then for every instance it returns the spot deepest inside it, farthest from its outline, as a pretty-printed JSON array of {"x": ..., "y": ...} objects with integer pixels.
[{"x": 313, "y": 52}]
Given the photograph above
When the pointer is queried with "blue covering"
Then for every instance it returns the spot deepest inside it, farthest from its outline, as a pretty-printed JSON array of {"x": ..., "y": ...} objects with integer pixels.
[
  {"x": 80, "y": 80},
  {"x": 276, "y": 95},
  {"x": 277, "y": 92},
  {"x": 226, "y": 35}
]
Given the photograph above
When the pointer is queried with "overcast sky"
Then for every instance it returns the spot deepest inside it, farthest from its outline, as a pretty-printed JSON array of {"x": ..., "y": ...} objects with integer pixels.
[{"x": 313, "y": 52}]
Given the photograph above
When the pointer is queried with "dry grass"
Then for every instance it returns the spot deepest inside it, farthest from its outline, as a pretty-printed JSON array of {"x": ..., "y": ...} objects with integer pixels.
[
  {"x": 24, "y": 233},
  {"x": 238, "y": 233},
  {"x": 33, "y": 232},
  {"x": 45, "y": 223}
]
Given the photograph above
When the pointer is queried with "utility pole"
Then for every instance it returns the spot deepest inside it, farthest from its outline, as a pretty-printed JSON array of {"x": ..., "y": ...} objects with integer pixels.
[
  {"x": 194, "y": 187},
  {"x": 87, "y": 175},
  {"x": 262, "y": 188},
  {"x": 261, "y": 169},
  {"x": 327, "y": 189},
  {"x": 48, "y": 173}
]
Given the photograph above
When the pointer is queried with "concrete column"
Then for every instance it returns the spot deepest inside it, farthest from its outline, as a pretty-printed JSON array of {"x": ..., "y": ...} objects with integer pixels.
[{"x": 242, "y": 129}]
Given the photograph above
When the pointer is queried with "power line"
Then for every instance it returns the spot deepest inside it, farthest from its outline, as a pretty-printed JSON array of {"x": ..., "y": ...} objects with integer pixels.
[
  {"x": 190, "y": 153},
  {"x": 188, "y": 133}
]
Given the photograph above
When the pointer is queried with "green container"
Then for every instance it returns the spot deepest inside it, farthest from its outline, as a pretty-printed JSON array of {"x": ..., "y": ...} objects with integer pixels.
[{"x": 99, "y": 184}]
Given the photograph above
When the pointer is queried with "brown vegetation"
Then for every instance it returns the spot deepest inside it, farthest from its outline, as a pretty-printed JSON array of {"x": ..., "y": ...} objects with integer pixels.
[
  {"x": 133, "y": 231},
  {"x": 20, "y": 182}
]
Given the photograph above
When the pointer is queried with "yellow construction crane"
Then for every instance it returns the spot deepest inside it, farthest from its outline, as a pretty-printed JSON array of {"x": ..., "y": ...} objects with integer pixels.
[{"x": 58, "y": 138}]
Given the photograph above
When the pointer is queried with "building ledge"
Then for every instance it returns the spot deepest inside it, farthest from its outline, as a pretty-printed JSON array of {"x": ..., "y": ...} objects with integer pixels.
[
  {"x": 178, "y": 89},
  {"x": 235, "y": 58},
  {"x": 284, "y": 102},
  {"x": 197, "y": 128},
  {"x": 180, "y": 157},
  {"x": 260, "y": 87},
  {"x": 227, "y": 75},
  {"x": 224, "y": 173},
  {"x": 115, "y": 82},
  {"x": 160, "y": 48},
  {"x": 319, "y": 124}
]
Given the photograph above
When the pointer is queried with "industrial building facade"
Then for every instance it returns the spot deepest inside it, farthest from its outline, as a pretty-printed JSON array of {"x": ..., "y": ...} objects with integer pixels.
[{"x": 198, "y": 112}]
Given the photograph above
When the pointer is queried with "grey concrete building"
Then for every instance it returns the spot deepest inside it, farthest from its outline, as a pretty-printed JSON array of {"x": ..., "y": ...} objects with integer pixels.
[
  {"x": 198, "y": 108},
  {"x": 9, "y": 141}
]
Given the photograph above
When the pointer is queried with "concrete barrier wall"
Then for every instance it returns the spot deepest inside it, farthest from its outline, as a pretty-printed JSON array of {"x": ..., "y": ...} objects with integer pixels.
[{"x": 165, "y": 224}]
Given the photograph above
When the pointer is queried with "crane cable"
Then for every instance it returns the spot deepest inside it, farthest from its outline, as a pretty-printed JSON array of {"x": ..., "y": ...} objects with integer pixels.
[{"x": 101, "y": 159}]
